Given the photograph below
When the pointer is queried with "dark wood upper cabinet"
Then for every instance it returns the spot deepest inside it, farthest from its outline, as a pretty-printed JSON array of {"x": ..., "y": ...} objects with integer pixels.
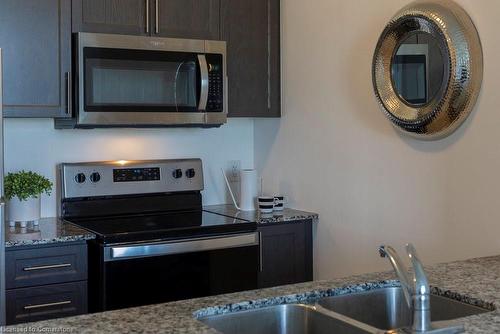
[
  {"x": 250, "y": 27},
  {"x": 252, "y": 31},
  {"x": 287, "y": 255},
  {"x": 129, "y": 17},
  {"x": 35, "y": 37},
  {"x": 196, "y": 19}
]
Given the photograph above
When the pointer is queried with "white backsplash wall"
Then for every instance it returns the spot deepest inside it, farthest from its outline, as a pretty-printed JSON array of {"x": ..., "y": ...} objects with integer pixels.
[
  {"x": 34, "y": 144},
  {"x": 335, "y": 153}
]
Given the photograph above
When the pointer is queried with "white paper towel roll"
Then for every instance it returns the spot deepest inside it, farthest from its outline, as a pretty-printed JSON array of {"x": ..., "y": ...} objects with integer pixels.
[{"x": 248, "y": 191}]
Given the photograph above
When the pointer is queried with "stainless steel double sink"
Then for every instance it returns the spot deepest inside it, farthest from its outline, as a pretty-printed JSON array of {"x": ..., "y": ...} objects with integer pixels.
[{"x": 373, "y": 311}]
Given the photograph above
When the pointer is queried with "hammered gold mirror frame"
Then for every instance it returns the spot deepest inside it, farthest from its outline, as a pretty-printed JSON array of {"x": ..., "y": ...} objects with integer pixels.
[{"x": 427, "y": 68}]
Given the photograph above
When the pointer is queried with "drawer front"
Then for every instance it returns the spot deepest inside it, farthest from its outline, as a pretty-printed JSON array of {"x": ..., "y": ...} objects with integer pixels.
[
  {"x": 49, "y": 265},
  {"x": 46, "y": 302}
]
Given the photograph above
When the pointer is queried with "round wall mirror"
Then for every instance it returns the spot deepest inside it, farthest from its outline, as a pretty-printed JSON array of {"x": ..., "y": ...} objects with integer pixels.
[
  {"x": 427, "y": 68},
  {"x": 417, "y": 69}
]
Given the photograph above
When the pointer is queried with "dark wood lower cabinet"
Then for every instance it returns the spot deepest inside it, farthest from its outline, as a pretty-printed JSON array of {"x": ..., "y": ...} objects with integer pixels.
[
  {"x": 287, "y": 256},
  {"x": 46, "y": 302},
  {"x": 49, "y": 282},
  {"x": 46, "y": 282}
]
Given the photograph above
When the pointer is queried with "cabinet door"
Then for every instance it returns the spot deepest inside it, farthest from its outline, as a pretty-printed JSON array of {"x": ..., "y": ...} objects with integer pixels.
[
  {"x": 35, "y": 37},
  {"x": 286, "y": 254},
  {"x": 127, "y": 17},
  {"x": 193, "y": 19},
  {"x": 252, "y": 31}
]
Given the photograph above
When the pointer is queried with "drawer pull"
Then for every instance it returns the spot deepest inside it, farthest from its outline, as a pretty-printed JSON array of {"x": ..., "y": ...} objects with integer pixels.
[
  {"x": 52, "y": 266},
  {"x": 32, "y": 307},
  {"x": 157, "y": 18},
  {"x": 147, "y": 16}
]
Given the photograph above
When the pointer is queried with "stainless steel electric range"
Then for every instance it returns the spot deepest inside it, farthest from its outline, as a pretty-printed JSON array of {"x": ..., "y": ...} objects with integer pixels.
[{"x": 154, "y": 242}]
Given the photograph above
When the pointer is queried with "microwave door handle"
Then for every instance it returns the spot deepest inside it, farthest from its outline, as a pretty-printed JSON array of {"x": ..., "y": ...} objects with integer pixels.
[{"x": 202, "y": 61}]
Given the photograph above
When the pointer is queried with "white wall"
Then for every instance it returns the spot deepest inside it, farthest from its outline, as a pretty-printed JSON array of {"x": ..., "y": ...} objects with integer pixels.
[
  {"x": 334, "y": 152},
  {"x": 36, "y": 145}
]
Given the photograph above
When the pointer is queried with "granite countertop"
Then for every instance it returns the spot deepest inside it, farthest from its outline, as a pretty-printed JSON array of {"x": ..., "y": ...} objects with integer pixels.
[
  {"x": 54, "y": 230},
  {"x": 48, "y": 231},
  {"x": 475, "y": 281},
  {"x": 287, "y": 215}
]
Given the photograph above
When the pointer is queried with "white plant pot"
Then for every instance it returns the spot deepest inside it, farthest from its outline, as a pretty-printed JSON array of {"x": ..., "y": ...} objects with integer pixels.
[{"x": 23, "y": 211}]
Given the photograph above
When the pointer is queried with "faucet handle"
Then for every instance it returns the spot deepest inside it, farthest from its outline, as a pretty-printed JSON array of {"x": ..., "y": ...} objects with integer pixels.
[{"x": 420, "y": 279}]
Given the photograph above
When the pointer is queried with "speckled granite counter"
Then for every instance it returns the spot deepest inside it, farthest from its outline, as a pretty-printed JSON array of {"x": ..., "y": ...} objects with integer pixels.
[
  {"x": 48, "y": 231},
  {"x": 476, "y": 281},
  {"x": 277, "y": 217}
]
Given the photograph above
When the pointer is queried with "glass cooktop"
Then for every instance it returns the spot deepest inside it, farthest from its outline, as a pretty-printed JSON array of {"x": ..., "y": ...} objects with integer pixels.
[{"x": 173, "y": 225}]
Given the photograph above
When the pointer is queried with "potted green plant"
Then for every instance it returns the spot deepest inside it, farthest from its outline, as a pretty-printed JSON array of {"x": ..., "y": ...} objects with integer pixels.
[{"x": 22, "y": 191}]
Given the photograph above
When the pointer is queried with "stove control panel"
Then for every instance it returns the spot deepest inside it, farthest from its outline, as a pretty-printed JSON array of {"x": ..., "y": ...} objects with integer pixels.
[{"x": 115, "y": 178}]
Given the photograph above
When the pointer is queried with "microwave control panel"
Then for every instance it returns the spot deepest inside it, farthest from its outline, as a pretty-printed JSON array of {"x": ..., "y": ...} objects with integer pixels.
[{"x": 215, "y": 83}]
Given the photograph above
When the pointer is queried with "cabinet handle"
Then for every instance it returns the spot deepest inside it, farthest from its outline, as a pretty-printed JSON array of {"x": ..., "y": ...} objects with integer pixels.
[
  {"x": 157, "y": 19},
  {"x": 32, "y": 307},
  {"x": 261, "y": 268},
  {"x": 147, "y": 16},
  {"x": 69, "y": 95},
  {"x": 52, "y": 266}
]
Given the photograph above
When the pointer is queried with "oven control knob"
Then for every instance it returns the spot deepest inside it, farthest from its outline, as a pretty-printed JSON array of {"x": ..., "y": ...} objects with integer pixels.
[
  {"x": 177, "y": 173},
  {"x": 95, "y": 177},
  {"x": 80, "y": 178},
  {"x": 190, "y": 173}
]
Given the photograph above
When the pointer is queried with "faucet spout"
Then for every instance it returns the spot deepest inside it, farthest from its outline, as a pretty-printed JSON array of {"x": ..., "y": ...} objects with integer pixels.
[
  {"x": 401, "y": 271},
  {"x": 416, "y": 290},
  {"x": 420, "y": 279}
]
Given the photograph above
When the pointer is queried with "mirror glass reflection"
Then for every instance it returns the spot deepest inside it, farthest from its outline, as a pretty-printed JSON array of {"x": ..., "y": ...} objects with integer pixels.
[{"x": 418, "y": 69}]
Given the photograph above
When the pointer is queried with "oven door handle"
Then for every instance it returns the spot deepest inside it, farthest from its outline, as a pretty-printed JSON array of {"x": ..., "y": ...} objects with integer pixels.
[
  {"x": 202, "y": 61},
  {"x": 114, "y": 253}
]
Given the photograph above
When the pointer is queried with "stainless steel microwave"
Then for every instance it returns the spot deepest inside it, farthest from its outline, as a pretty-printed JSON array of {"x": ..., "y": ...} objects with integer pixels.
[{"x": 137, "y": 81}]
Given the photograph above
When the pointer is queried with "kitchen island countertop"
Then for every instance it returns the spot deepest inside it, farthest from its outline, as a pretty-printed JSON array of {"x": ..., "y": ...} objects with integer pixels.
[{"x": 476, "y": 281}]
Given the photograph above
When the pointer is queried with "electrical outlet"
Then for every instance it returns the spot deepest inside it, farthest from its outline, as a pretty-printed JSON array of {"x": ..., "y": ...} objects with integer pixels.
[{"x": 233, "y": 170}]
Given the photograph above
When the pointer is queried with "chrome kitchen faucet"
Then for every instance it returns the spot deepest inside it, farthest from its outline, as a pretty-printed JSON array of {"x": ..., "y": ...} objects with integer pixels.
[{"x": 416, "y": 290}]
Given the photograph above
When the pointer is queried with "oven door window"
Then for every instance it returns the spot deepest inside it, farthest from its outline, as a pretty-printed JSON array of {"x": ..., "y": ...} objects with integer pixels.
[{"x": 119, "y": 80}]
